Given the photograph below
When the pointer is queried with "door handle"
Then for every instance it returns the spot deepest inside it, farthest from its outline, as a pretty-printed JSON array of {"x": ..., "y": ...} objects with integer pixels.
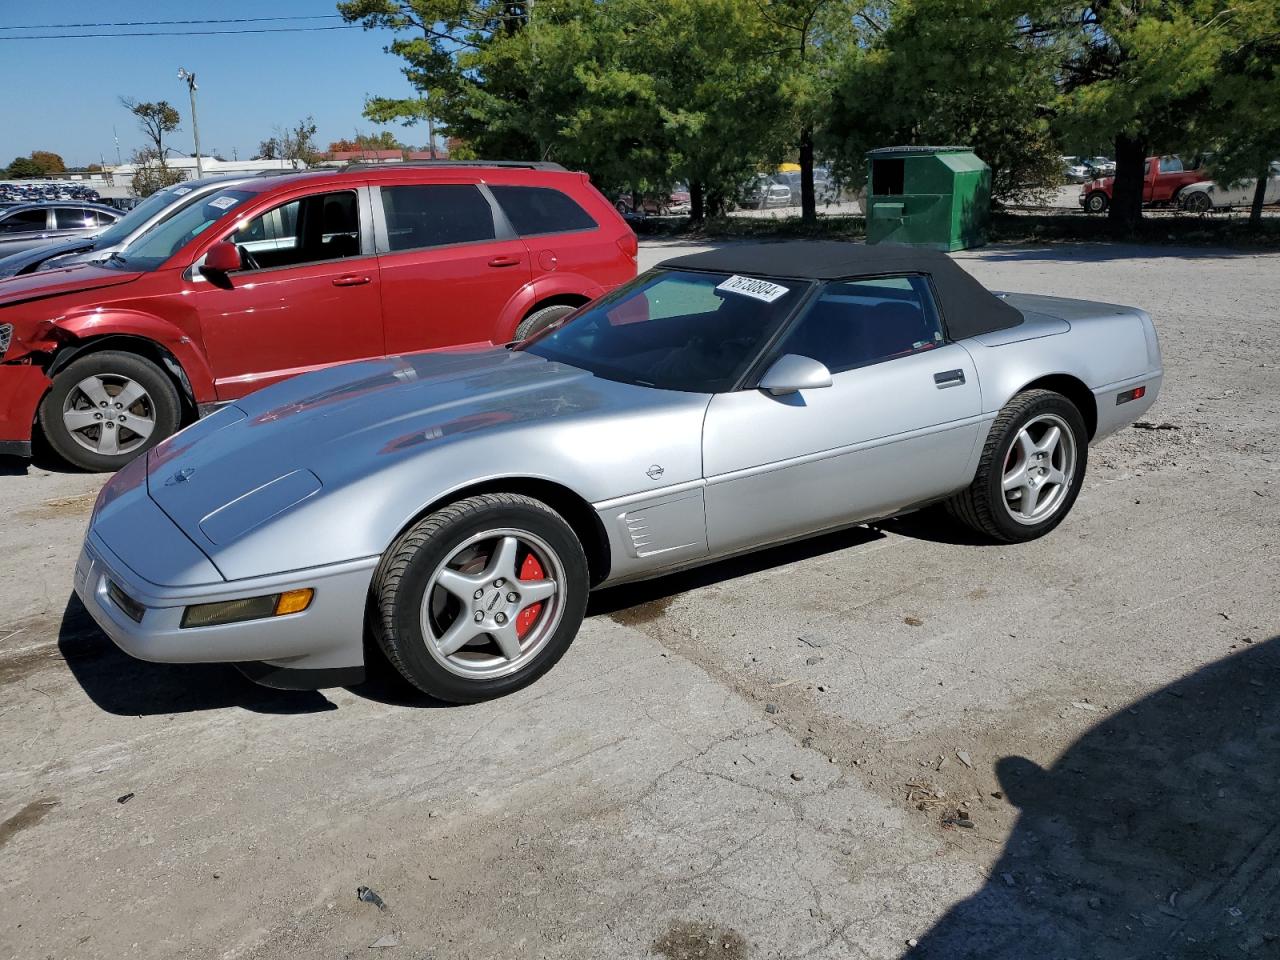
[
  {"x": 504, "y": 262},
  {"x": 350, "y": 280},
  {"x": 948, "y": 378}
]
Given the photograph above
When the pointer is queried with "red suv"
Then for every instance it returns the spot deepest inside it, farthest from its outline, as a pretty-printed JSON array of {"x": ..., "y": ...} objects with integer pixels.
[{"x": 275, "y": 277}]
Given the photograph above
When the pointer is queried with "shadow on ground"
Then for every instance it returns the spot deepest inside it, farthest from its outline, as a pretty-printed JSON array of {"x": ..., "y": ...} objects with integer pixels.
[
  {"x": 614, "y": 600},
  {"x": 1157, "y": 833},
  {"x": 119, "y": 684}
]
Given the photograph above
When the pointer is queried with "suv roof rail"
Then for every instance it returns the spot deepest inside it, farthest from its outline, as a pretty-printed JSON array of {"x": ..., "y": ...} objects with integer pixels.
[{"x": 521, "y": 164}]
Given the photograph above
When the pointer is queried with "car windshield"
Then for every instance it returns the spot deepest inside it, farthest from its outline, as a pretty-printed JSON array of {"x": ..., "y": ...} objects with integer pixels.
[
  {"x": 119, "y": 231},
  {"x": 675, "y": 330},
  {"x": 166, "y": 238}
]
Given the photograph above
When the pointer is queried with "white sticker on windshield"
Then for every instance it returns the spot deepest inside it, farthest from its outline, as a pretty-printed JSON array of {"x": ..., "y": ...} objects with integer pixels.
[
  {"x": 756, "y": 289},
  {"x": 181, "y": 191},
  {"x": 224, "y": 203}
]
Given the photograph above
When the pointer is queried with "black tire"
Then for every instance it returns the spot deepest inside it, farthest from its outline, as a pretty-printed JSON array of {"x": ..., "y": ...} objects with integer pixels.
[
  {"x": 405, "y": 573},
  {"x": 982, "y": 506},
  {"x": 1197, "y": 202},
  {"x": 161, "y": 402},
  {"x": 539, "y": 320},
  {"x": 1096, "y": 202}
]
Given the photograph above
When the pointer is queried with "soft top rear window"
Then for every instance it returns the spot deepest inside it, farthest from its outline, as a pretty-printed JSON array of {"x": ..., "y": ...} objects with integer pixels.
[{"x": 535, "y": 210}]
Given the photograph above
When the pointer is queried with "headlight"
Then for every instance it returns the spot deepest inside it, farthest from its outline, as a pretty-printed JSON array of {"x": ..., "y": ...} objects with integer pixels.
[
  {"x": 250, "y": 608},
  {"x": 6, "y": 336}
]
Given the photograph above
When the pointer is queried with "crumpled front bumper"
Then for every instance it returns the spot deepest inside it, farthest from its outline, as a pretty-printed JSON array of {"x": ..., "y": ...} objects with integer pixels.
[{"x": 22, "y": 387}]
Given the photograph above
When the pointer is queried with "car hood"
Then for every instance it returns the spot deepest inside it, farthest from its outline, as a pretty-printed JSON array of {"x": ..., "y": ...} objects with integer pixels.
[
  {"x": 54, "y": 283},
  {"x": 13, "y": 264},
  {"x": 359, "y": 430}
]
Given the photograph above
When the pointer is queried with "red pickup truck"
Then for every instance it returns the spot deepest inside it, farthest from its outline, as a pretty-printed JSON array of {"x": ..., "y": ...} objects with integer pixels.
[{"x": 1164, "y": 179}]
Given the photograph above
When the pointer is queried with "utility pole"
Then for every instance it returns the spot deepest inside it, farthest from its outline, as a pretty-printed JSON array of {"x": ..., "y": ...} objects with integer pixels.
[
  {"x": 195, "y": 127},
  {"x": 115, "y": 136}
]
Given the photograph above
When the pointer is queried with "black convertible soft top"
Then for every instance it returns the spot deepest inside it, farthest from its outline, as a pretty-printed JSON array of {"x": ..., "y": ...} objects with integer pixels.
[{"x": 968, "y": 308}]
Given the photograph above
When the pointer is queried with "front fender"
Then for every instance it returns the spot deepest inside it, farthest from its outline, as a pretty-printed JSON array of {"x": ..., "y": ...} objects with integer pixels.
[{"x": 95, "y": 324}]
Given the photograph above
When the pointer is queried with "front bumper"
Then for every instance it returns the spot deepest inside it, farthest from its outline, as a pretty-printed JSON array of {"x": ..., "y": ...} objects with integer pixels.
[
  {"x": 22, "y": 387},
  {"x": 321, "y": 646}
]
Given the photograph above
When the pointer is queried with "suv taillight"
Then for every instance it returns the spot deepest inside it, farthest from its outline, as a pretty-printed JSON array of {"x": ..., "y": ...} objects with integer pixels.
[{"x": 629, "y": 245}]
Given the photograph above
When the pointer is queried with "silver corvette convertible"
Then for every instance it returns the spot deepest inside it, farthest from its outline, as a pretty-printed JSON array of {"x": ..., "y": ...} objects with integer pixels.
[{"x": 459, "y": 506}]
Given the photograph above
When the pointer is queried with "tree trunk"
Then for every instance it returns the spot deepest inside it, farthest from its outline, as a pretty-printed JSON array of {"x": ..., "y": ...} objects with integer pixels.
[
  {"x": 697, "y": 205},
  {"x": 1259, "y": 194},
  {"x": 1126, "y": 190},
  {"x": 808, "y": 204}
]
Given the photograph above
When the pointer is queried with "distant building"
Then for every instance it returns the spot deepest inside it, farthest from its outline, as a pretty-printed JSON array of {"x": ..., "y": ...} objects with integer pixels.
[
  {"x": 340, "y": 158},
  {"x": 116, "y": 182}
]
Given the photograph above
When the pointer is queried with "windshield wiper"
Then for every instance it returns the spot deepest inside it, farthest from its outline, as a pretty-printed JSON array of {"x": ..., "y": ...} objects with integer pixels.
[{"x": 116, "y": 257}]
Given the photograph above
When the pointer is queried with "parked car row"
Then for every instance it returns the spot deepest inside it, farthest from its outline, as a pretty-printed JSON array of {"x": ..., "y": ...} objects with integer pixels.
[
  {"x": 1172, "y": 182},
  {"x": 248, "y": 283},
  {"x": 1082, "y": 170},
  {"x": 28, "y": 192}
]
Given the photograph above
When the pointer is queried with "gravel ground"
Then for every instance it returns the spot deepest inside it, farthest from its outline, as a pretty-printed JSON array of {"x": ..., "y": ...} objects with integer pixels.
[{"x": 883, "y": 742}]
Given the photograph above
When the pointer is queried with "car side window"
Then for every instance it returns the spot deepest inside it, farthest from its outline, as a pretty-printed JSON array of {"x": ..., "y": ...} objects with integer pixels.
[
  {"x": 435, "y": 215},
  {"x": 312, "y": 229},
  {"x": 1170, "y": 165},
  {"x": 535, "y": 210},
  {"x": 24, "y": 221},
  {"x": 856, "y": 323},
  {"x": 73, "y": 218}
]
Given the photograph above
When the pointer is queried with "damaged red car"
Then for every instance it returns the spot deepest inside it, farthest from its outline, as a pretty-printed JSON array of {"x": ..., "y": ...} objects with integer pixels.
[{"x": 275, "y": 277}]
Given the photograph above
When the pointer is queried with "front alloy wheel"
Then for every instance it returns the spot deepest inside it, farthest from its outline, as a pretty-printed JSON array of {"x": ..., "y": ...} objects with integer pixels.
[{"x": 480, "y": 597}]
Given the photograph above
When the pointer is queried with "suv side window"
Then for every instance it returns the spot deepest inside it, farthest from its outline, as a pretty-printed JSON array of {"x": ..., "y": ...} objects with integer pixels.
[
  {"x": 861, "y": 322},
  {"x": 24, "y": 221},
  {"x": 308, "y": 230},
  {"x": 535, "y": 210},
  {"x": 436, "y": 215}
]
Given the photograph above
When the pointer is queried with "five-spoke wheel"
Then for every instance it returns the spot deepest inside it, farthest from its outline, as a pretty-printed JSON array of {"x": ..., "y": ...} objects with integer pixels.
[
  {"x": 481, "y": 596},
  {"x": 1030, "y": 470}
]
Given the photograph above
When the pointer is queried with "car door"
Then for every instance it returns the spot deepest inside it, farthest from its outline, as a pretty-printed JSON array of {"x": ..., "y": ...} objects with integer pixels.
[
  {"x": 898, "y": 425},
  {"x": 306, "y": 297},
  {"x": 449, "y": 265}
]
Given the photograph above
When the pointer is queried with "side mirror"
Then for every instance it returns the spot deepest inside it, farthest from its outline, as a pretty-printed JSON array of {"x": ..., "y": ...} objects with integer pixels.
[
  {"x": 222, "y": 258},
  {"x": 791, "y": 373}
]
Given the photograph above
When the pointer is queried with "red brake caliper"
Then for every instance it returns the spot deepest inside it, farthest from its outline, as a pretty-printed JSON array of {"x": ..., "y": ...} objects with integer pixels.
[{"x": 531, "y": 569}]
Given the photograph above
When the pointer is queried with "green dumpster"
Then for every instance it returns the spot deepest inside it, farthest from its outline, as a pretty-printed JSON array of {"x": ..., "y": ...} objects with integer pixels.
[{"x": 935, "y": 197}]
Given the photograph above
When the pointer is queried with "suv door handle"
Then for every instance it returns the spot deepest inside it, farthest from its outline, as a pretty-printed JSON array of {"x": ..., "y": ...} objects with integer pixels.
[
  {"x": 350, "y": 280},
  {"x": 504, "y": 262},
  {"x": 948, "y": 378}
]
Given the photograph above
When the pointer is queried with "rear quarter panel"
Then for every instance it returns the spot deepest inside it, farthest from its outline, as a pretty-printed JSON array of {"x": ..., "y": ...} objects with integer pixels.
[{"x": 1110, "y": 348}]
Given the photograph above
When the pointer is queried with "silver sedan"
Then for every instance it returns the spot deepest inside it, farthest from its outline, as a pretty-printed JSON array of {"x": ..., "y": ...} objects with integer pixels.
[{"x": 459, "y": 506}]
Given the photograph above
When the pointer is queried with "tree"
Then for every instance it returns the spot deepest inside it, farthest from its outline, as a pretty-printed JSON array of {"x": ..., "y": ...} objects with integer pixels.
[
  {"x": 48, "y": 162},
  {"x": 942, "y": 72},
  {"x": 269, "y": 149},
  {"x": 383, "y": 140},
  {"x": 24, "y": 168},
  {"x": 1140, "y": 72},
  {"x": 152, "y": 173},
  {"x": 1245, "y": 100},
  {"x": 155, "y": 120},
  {"x": 298, "y": 142}
]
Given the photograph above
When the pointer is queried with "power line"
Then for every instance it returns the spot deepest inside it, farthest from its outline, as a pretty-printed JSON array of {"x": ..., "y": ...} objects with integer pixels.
[
  {"x": 164, "y": 23},
  {"x": 177, "y": 33}
]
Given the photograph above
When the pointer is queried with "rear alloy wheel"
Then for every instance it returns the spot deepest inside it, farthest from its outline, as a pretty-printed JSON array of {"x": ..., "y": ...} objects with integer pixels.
[
  {"x": 1197, "y": 202},
  {"x": 481, "y": 597},
  {"x": 1030, "y": 471},
  {"x": 107, "y": 408},
  {"x": 539, "y": 320},
  {"x": 1096, "y": 202}
]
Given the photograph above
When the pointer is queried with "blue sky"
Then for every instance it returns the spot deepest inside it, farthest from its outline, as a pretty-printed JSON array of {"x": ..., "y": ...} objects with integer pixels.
[{"x": 62, "y": 95}]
